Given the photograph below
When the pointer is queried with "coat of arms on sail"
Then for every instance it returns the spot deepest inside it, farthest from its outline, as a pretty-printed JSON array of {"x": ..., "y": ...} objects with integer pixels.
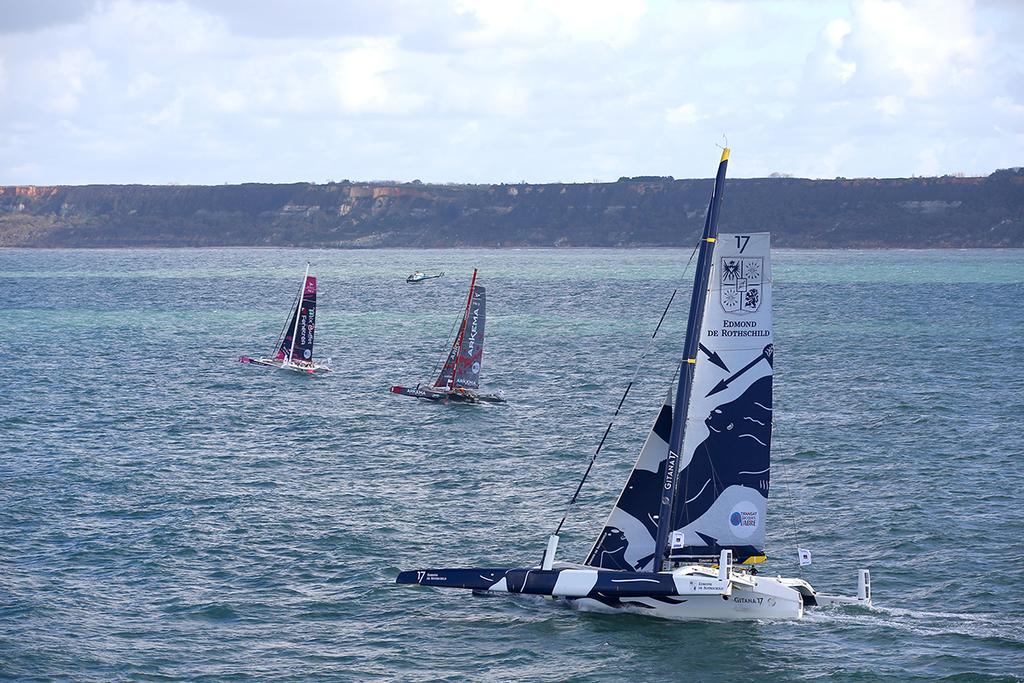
[{"x": 741, "y": 284}]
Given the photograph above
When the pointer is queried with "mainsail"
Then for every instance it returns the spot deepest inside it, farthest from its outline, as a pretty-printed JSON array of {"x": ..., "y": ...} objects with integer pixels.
[
  {"x": 297, "y": 343},
  {"x": 722, "y": 486},
  {"x": 462, "y": 367},
  {"x": 715, "y": 481}
]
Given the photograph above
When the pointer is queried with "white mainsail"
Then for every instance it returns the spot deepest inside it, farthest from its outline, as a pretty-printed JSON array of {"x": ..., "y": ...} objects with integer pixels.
[{"x": 723, "y": 482}]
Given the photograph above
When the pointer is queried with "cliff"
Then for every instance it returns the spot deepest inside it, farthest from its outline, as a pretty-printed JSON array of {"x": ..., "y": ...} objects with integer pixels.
[{"x": 647, "y": 211}]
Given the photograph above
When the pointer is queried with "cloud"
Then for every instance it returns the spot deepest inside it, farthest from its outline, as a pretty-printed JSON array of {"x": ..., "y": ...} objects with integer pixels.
[
  {"x": 65, "y": 77},
  {"x": 23, "y": 17},
  {"x": 922, "y": 48},
  {"x": 827, "y": 66},
  {"x": 683, "y": 114},
  {"x": 473, "y": 90}
]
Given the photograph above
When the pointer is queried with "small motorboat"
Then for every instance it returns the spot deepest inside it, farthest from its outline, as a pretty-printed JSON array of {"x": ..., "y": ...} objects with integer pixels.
[{"x": 420, "y": 276}]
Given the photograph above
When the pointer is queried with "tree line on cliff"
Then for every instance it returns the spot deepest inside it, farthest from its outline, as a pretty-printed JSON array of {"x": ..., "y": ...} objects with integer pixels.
[{"x": 646, "y": 211}]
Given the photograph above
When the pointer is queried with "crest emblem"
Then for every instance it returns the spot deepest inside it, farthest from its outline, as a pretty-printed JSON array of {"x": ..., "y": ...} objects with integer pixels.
[{"x": 741, "y": 283}]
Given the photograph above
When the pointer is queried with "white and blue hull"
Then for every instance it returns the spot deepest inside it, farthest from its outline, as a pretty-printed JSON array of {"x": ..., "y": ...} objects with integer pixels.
[
  {"x": 692, "y": 592},
  {"x": 769, "y": 600}
]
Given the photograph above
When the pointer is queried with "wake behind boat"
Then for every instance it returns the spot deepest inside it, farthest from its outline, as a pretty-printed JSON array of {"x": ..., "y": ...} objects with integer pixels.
[
  {"x": 294, "y": 348},
  {"x": 688, "y": 527},
  {"x": 459, "y": 381}
]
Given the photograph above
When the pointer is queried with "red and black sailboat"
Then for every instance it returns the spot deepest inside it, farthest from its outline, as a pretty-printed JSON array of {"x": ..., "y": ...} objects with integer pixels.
[{"x": 459, "y": 380}]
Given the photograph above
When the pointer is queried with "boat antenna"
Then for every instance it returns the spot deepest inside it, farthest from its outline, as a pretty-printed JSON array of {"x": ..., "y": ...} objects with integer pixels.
[
  {"x": 726, "y": 145},
  {"x": 608, "y": 429}
]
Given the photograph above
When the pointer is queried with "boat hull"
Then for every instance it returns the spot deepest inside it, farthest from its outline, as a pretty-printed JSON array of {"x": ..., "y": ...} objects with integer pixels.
[
  {"x": 688, "y": 593},
  {"x": 313, "y": 369},
  {"x": 442, "y": 394},
  {"x": 769, "y": 600}
]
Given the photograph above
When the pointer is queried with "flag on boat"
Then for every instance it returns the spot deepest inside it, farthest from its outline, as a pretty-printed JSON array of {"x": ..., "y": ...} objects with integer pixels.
[{"x": 805, "y": 556}]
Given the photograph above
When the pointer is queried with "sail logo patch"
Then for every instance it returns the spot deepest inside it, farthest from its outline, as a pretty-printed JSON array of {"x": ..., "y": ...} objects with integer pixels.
[
  {"x": 741, "y": 283},
  {"x": 744, "y": 519}
]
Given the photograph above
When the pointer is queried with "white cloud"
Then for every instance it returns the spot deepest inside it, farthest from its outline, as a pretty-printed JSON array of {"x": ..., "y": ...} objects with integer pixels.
[
  {"x": 359, "y": 79},
  {"x": 65, "y": 78},
  {"x": 891, "y": 105},
  {"x": 923, "y": 48},
  {"x": 683, "y": 114},
  {"x": 532, "y": 22},
  {"x": 474, "y": 90}
]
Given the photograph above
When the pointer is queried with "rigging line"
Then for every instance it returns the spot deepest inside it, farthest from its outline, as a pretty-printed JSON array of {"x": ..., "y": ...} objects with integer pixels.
[
  {"x": 611, "y": 421},
  {"x": 785, "y": 489},
  {"x": 447, "y": 345},
  {"x": 287, "y": 324}
]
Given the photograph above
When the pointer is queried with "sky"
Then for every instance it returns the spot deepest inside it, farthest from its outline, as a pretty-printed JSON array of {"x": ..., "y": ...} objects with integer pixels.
[{"x": 490, "y": 91}]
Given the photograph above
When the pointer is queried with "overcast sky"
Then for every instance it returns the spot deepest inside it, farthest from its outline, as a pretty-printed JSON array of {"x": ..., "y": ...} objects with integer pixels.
[{"x": 215, "y": 91}]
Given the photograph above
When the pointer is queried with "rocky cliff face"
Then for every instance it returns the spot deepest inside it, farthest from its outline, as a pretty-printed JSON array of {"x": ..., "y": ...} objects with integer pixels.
[{"x": 649, "y": 211}]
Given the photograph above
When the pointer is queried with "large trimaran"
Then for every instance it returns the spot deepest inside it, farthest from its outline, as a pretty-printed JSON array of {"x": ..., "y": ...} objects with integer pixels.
[{"x": 688, "y": 529}]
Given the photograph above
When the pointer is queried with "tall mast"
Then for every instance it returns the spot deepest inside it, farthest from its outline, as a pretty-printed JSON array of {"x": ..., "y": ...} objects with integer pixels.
[
  {"x": 298, "y": 314},
  {"x": 689, "y": 362},
  {"x": 462, "y": 331}
]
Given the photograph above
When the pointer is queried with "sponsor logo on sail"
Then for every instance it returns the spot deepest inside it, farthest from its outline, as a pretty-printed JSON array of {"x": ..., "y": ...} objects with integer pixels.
[
  {"x": 741, "y": 284},
  {"x": 471, "y": 349},
  {"x": 744, "y": 519}
]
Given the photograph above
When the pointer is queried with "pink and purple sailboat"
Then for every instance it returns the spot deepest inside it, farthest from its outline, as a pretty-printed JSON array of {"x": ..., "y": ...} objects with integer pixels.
[{"x": 294, "y": 348}]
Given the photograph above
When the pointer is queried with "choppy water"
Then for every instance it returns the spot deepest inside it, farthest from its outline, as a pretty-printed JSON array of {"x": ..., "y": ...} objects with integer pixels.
[{"x": 167, "y": 513}]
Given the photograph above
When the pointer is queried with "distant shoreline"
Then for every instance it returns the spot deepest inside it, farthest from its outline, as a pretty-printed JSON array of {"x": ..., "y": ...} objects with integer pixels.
[
  {"x": 439, "y": 249},
  {"x": 947, "y": 212}
]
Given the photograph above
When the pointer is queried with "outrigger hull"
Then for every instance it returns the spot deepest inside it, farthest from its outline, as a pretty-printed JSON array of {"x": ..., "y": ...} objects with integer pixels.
[
  {"x": 443, "y": 394},
  {"x": 688, "y": 593},
  {"x": 312, "y": 369}
]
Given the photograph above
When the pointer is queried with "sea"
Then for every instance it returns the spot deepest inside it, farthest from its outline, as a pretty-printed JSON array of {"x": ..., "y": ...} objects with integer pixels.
[{"x": 168, "y": 513}]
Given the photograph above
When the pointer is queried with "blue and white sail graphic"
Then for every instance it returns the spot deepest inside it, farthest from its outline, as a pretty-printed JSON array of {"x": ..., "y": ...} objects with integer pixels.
[
  {"x": 722, "y": 492},
  {"x": 627, "y": 540}
]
